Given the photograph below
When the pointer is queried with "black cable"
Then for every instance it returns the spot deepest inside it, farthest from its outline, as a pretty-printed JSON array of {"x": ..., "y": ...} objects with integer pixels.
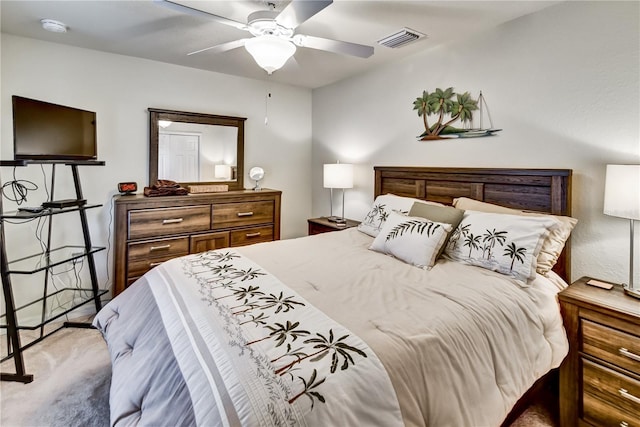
[
  {"x": 44, "y": 180},
  {"x": 113, "y": 197},
  {"x": 18, "y": 189},
  {"x": 42, "y": 221}
]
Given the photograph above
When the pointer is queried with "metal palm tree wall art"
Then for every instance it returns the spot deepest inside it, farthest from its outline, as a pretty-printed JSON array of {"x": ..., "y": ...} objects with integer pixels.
[{"x": 449, "y": 107}]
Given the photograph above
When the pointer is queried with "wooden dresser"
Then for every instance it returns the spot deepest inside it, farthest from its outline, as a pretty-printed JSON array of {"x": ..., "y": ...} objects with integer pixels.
[
  {"x": 151, "y": 230},
  {"x": 600, "y": 378}
]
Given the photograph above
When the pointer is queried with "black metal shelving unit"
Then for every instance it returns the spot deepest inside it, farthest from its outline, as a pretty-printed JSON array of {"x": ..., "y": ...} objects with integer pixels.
[{"x": 43, "y": 262}]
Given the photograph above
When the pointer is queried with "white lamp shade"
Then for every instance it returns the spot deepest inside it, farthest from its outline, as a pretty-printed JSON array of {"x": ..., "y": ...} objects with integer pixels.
[
  {"x": 222, "y": 172},
  {"x": 338, "y": 175},
  {"x": 164, "y": 123},
  {"x": 270, "y": 52},
  {"x": 622, "y": 191}
]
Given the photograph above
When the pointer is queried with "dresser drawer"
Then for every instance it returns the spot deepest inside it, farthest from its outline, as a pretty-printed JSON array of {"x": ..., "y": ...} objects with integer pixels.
[
  {"x": 166, "y": 221},
  {"x": 251, "y": 235},
  {"x": 208, "y": 241},
  {"x": 602, "y": 414},
  {"x": 241, "y": 214},
  {"x": 158, "y": 248},
  {"x": 136, "y": 268},
  {"x": 615, "y": 389},
  {"x": 614, "y": 346}
]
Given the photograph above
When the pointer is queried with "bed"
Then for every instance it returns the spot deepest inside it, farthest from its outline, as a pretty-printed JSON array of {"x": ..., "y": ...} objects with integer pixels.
[{"x": 322, "y": 331}]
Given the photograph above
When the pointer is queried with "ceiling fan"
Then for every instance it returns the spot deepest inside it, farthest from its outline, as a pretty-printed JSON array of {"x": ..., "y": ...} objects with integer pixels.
[{"x": 274, "y": 40}]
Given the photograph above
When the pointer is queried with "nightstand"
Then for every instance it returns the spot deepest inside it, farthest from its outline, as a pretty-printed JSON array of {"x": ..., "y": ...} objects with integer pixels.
[
  {"x": 323, "y": 225},
  {"x": 600, "y": 378}
]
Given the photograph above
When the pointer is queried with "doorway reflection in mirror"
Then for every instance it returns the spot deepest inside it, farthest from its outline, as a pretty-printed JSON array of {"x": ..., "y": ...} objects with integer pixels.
[{"x": 191, "y": 152}]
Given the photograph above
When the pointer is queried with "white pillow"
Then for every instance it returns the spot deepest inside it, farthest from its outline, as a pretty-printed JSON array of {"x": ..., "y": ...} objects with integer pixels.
[
  {"x": 508, "y": 244},
  {"x": 552, "y": 246},
  {"x": 382, "y": 207},
  {"x": 414, "y": 240}
]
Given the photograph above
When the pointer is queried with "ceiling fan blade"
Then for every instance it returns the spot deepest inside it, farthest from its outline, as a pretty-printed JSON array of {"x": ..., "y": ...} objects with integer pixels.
[
  {"x": 299, "y": 11},
  {"x": 200, "y": 13},
  {"x": 219, "y": 48},
  {"x": 336, "y": 46}
]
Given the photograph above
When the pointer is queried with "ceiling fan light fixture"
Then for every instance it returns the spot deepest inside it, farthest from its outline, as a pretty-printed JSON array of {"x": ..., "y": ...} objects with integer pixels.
[{"x": 270, "y": 52}]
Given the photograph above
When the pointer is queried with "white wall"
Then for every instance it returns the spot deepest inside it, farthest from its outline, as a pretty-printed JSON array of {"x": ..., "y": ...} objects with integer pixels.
[
  {"x": 562, "y": 83},
  {"x": 120, "y": 89}
]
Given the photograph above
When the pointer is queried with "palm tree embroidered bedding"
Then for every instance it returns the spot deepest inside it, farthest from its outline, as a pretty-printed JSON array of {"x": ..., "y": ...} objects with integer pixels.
[{"x": 322, "y": 331}]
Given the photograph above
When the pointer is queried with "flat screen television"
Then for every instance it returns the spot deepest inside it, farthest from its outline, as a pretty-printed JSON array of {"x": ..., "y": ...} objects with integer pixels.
[{"x": 45, "y": 131}]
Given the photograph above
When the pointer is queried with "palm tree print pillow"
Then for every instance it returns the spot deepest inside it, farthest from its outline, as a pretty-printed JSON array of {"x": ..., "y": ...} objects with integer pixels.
[
  {"x": 414, "y": 240},
  {"x": 551, "y": 247},
  {"x": 382, "y": 208},
  {"x": 508, "y": 244}
]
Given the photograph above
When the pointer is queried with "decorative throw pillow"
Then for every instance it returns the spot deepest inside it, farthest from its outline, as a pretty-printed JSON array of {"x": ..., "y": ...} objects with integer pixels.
[
  {"x": 554, "y": 243},
  {"x": 443, "y": 214},
  {"x": 382, "y": 207},
  {"x": 508, "y": 244},
  {"x": 414, "y": 240}
]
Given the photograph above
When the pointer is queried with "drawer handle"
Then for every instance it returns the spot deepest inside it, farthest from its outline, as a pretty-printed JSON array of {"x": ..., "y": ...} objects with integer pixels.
[
  {"x": 624, "y": 393},
  {"x": 172, "y": 221},
  {"x": 629, "y": 354},
  {"x": 253, "y": 234},
  {"x": 159, "y": 248},
  {"x": 245, "y": 214},
  {"x": 154, "y": 264}
]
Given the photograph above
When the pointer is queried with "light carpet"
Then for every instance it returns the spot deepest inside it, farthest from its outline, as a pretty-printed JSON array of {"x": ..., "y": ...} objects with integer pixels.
[{"x": 72, "y": 375}]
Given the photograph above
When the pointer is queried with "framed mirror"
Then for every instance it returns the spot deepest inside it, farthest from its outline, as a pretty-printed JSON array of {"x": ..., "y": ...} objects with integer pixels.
[{"x": 196, "y": 148}]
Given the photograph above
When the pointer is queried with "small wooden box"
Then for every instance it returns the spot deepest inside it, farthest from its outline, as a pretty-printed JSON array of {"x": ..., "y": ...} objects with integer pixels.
[{"x": 208, "y": 188}]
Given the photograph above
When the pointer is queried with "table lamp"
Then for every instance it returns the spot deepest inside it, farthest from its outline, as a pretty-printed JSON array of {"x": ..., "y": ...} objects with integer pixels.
[
  {"x": 622, "y": 199},
  {"x": 338, "y": 175},
  {"x": 222, "y": 172}
]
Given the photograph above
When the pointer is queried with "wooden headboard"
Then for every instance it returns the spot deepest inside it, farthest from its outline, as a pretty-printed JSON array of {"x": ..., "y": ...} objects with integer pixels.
[{"x": 542, "y": 190}]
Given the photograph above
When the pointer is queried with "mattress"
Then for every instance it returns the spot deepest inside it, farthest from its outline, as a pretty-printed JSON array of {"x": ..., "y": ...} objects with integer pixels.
[{"x": 453, "y": 345}]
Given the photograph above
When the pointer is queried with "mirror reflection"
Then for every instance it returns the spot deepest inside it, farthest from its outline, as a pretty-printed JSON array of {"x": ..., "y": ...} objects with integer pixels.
[
  {"x": 192, "y": 148},
  {"x": 190, "y": 152}
]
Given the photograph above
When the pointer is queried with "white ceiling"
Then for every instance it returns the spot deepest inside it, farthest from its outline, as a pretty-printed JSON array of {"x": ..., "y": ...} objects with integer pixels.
[{"x": 142, "y": 28}]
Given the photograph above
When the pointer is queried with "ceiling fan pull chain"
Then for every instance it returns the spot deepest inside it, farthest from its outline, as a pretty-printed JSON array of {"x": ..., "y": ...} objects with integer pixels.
[{"x": 266, "y": 108}]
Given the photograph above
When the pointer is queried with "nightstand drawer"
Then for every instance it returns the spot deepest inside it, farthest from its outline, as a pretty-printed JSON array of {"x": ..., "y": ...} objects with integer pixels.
[
  {"x": 166, "y": 221},
  {"x": 600, "y": 377},
  {"x": 599, "y": 413},
  {"x": 612, "y": 345},
  {"x": 242, "y": 214},
  {"x": 323, "y": 225},
  {"x": 613, "y": 388}
]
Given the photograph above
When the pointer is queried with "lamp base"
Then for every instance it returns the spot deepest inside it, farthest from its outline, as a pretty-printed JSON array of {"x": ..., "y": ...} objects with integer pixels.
[
  {"x": 632, "y": 292},
  {"x": 336, "y": 219}
]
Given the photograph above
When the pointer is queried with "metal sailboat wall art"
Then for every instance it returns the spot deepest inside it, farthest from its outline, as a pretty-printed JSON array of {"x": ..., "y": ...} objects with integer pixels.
[{"x": 449, "y": 107}]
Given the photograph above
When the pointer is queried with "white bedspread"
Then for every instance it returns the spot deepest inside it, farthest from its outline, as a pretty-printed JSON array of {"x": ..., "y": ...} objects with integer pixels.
[
  {"x": 370, "y": 340},
  {"x": 461, "y": 344}
]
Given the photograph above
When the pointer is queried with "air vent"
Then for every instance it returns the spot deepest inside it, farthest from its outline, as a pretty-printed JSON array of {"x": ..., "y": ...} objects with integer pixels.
[{"x": 401, "y": 38}]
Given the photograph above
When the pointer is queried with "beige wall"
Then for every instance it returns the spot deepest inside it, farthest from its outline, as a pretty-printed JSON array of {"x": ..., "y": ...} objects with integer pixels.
[
  {"x": 120, "y": 89},
  {"x": 562, "y": 83}
]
